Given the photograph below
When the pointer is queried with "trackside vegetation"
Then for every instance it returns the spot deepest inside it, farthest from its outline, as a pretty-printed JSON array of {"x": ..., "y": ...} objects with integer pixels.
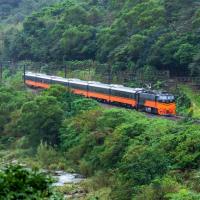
[{"x": 124, "y": 154}]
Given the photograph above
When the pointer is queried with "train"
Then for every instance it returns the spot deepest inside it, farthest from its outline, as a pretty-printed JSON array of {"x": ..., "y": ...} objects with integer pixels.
[{"x": 151, "y": 101}]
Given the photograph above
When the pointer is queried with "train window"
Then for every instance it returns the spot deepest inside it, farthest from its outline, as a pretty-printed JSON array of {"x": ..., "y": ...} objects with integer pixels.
[
  {"x": 37, "y": 79},
  {"x": 115, "y": 93},
  {"x": 66, "y": 84},
  {"x": 162, "y": 98},
  {"x": 62, "y": 83},
  {"x": 143, "y": 96},
  {"x": 172, "y": 98},
  {"x": 77, "y": 86},
  {"x": 99, "y": 90},
  {"x": 48, "y": 81},
  {"x": 103, "y": 90},
  {"x": 151, "y": 97},
  {"x": 42, "y": 80},
  {"x": 28, "y": 77},
  {"x": 54, "y": 82},
  {"x": 166, "y": 98},
  {"x": 122, "y": 94},
  {"x": 147, "y": 96},
  {"x": 126, "y": 94},
  {"x": 82, "y": 87}
]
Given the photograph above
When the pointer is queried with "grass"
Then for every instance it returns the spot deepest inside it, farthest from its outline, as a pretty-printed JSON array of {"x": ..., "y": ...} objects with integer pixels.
[
  {"x": 46, "y": 157},
  {"x": 194, "y": 96}
]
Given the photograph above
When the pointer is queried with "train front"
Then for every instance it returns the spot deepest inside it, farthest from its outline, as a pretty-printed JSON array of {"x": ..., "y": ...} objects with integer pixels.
[{"x": 166, "y": 105}]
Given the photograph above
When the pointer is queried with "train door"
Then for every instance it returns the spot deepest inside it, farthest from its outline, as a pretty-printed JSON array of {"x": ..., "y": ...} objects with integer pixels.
[
  {"x": 141, "y": 100},
  {"x": 137, "y": 101}
]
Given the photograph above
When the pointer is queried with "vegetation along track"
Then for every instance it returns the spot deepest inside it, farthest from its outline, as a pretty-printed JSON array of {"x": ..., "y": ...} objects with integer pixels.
[
  {"x": 111, "y": 106},
  {"x": 149, "y": 115}
]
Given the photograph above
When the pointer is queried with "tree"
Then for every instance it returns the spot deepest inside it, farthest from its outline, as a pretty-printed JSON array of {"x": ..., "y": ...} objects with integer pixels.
[
  {"x": 10, "y": 101},
  {"x": 195, "y": 64},
  {"x": 142, "y": 164},
  {"x": 79, "y": 42},
  {"x": 40, "y": 120}
]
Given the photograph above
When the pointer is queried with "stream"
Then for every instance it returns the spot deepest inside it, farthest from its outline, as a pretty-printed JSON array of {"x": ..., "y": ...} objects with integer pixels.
[{"x": 66, "y": 178}]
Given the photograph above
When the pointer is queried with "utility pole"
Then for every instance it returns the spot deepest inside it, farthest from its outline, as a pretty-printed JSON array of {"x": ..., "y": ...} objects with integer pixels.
[
  {"x": 65, "y": 67},
  {"x": 65, "y": 71},
  {"x": 1, "y": 72},
  {"x": 24, "y": 72},
  {"x": 109, "y": 74},
  {"x": 2, "y": 38},
  {"x": 109, "y": 80}
]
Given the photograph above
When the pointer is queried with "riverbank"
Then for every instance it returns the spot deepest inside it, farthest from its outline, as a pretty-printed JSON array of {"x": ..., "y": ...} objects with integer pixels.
[{"x": 67, "y": 182}]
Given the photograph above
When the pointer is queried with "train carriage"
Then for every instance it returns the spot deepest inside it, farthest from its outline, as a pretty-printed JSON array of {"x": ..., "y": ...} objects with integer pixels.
[
  {"x": 99, "y": 91},
  {"x": 151, "y": 101},
  {"x": 123, "y": 95}
]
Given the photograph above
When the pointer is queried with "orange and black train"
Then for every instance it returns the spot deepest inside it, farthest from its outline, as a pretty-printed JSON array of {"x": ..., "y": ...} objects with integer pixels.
[{"x": 151, "y": 101}]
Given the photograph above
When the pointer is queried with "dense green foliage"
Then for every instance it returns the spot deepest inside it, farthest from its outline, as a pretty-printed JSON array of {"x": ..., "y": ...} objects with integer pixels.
[
  {"x": 20, "y": 183},
  {"x": 135, "y": 150},
  {"x": 130, "y": 35},
  {"x": 38, "y": 117},
  {"x": 194, "y": 99},
  {"x": 142, "y": 158},
  {"x": 128, "y": 156}
]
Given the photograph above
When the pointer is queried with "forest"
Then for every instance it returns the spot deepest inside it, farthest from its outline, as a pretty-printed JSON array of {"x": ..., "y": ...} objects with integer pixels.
[
  {"x": 129, "y": 35},
  {"x": 124, "y": 154},
  {"x": 121, "y": 153}
]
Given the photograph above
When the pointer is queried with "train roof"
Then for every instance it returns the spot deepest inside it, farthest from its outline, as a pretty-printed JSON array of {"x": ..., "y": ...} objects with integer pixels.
[
  {"x": 39, "y": 75},
  {"x": 127, "y": 89},
  {"x": 97, "y": 84},
  {"x": 90, "y": 83}
]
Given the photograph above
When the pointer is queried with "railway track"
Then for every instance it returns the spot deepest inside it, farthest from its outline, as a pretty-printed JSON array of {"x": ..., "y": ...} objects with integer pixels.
[
  {"x": 149, "y": 115},
  {"x": 173, "y": 118}
]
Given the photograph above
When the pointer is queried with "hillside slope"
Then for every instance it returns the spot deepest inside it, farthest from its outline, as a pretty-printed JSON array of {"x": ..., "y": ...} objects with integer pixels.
[
  {"x": 124, "y": 154},
  {"x": 14, "y": 11},
  {"x": 130, "y": 35}
]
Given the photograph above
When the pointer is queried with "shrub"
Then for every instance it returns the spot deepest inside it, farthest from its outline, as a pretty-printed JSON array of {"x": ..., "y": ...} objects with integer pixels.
[
  {"x": 85, "y": 168},
  {"x": 158, "y": 189},
  {"x": 183, "y": 102},
  {"x": 20, "y": 183},
  {"x": 47, "y": 155},
  {"x": 141, "y": 164},
  {"x": 184, "y": 194}
]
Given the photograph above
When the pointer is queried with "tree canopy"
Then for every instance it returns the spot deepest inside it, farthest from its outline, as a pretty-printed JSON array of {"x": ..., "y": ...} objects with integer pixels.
[{"x": 133, "y": 34}]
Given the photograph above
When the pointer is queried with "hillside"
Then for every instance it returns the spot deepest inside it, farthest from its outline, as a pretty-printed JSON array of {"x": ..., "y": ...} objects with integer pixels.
[
  {"x": 123, "y": 154},
  {"x": 14, "y": 11},
  {"x": 117, "y": 153},
  {"x": 129, "y": 35}
]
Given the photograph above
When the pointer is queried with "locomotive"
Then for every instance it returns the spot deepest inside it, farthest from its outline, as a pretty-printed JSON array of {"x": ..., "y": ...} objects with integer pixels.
[{"x": 151, "y": 101}]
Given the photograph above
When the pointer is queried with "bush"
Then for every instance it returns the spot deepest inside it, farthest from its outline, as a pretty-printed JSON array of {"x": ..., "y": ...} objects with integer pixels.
[
  {"x": 184, "y": 194},
  {"x": 85, "y": 168},
  {"x": 47, "y": 156},
  {"x": 83, "y": 104},
  {"x": 20, "y": 183},
  {"x": 158, "y": 189},
  {"x": 183, "y": 102},
  {"x": 141, "y": 164}
]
